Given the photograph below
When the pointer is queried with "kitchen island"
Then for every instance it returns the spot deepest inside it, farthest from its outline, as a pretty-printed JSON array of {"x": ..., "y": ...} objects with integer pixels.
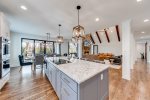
[{"x": 77, "y": 79}]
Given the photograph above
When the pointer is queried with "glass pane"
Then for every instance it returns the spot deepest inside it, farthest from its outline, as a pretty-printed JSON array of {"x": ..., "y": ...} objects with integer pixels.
[
  {"x": 57, "y": 48},
  {"x": 95, "y": 50},
  {"x": 49, "y": 48},
  {"x": 39, "y": 47},
  {"x": 72, "y": 47},
  {"x": 28, "y": 48}
]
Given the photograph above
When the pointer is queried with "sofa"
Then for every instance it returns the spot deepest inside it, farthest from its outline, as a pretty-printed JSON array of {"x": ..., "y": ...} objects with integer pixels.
[
  {"x": 100, "y": 56},
  {"x": 103, "y": 56}
]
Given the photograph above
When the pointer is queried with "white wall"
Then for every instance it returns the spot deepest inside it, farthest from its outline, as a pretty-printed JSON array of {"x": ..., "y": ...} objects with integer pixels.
[
  {"x": 112, "y": 47},
  {"x": 15, "y": 48}
]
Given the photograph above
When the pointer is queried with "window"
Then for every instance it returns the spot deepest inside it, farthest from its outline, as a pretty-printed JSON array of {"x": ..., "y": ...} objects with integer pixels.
[
  {"x": 49, "y": 48},
  {"x": 31, "y": 47},
  {"x": 27, "y": 48},
  {"x": 72, "y": 47},
  {"x": 58, "y": 48}
]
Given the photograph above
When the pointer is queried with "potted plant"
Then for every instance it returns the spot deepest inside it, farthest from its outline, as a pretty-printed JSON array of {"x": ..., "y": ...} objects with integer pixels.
[{"x": 142, "y": 55}]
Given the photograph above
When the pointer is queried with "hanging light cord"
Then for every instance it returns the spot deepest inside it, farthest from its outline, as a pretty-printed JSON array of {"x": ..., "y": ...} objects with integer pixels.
[
  {"x": 78, "y": 16},
  {"x": 78, "y": 8},
  {"x": 59, "y": 29}
]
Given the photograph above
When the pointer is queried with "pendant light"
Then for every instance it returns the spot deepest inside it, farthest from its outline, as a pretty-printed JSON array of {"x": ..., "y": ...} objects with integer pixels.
[
  {"x": 60, "y": 39},
  {"x": 78, "y": 31}
]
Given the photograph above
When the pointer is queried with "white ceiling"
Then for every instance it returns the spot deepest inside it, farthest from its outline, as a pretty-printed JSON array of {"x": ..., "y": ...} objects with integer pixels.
[{"x": 44, "y": 16}]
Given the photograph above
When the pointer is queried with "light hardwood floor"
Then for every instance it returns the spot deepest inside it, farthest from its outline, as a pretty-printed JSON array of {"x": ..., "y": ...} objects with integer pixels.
[
  {"x": 138, "y": 88},
  {"x": 26, "y": 85}
]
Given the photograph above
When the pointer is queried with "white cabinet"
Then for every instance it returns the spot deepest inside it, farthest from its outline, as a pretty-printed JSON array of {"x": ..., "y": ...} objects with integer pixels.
[
  {"x": 72, "y": 84},
  {"x": 4, "y": 26},
  {"x": 53, "y": 69},
  {"x": 95, "y": 88},
  {"x": 52, "y": 75},
  {"x": 58, "y": 83},
  {"x": 46, "y": 70},
  {"x": 49, "y": 73},
  {"x": 4, "y": 80},
  {"x": 66, "y": 92}
]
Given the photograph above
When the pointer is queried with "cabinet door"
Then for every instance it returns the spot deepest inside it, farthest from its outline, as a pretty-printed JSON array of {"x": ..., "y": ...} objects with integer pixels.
[
  {"x": 104, "y": 86},
  {"x": 49, "y": 73},
  {"x": 54, "y": 78},
  {"x": 66, "y": 92},
  {"x": 58, "y": 83},
  {"x": 46, "y": 71}
]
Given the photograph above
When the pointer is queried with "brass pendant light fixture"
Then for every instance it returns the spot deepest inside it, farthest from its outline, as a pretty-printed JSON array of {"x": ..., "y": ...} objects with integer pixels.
[
  {"x": 78, "y": 31},
  {"x": 60, "y": 38}
]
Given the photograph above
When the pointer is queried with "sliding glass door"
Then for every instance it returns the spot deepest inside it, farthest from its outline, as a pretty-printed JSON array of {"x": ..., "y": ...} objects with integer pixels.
[
  {"x": 27, "y": 48},
  {"x": 31, "y": 47},
  {"x": 39, "y": 47},
  {"x": 49, "y": 48}
]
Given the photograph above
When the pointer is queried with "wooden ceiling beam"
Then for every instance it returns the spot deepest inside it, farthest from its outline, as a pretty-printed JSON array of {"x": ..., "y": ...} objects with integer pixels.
[
  {"x": 98, "y": 37},
  {"x": 118, "y": 34},
  {"x": 106, "y": 33},
  {"x": 92, "y": 39}
]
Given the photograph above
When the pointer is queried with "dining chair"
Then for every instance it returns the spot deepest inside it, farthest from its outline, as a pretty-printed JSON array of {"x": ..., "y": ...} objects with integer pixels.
[
  {"x": 23, "y": 62},
  {"x": 39, "y": 60}
]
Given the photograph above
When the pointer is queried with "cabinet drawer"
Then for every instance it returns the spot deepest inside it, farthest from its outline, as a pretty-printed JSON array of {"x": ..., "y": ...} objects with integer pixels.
[
  {"x": 66, "y": 92},
  {"x": 72, "y": 84}
]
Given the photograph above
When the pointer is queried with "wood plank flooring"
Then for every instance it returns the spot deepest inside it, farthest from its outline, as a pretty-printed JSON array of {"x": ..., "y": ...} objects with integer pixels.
[
  {"x": 27, "y": 85},
  {"x": 138, "y": 88}
]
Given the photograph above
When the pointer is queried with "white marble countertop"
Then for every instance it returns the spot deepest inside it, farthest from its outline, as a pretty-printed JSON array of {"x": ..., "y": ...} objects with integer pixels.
[{"x": 80, "y": 70}]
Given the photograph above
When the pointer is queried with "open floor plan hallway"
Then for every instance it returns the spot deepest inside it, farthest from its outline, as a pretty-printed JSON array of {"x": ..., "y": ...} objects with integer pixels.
[{"x": 27, "y": 85}]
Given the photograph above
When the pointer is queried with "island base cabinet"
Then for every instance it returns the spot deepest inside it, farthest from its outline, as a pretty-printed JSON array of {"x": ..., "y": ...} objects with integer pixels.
[
  {"x": 66, "y": 92},
  {"x": 103, "y": 85},
  {"x": 95, "y": 88},
  {"x": 58, "y": 83}
]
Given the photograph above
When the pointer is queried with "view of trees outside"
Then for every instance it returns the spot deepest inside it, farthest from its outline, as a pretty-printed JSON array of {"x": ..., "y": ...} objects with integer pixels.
[
  {"x": 72, "y": 47},
  {"x": 49, "y": 48},
  {"x": 39, "y": 47},
  {"x": 28, "y": 48}
]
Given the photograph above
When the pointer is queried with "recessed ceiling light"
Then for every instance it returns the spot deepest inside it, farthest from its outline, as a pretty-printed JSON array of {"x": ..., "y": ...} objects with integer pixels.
[
  {"x": 111, "y": 31},
  {"x": 97, "y": 19},
  {"x": 141, "y": 37},
  {"x": 142, "y": 32},
  {"x": 138, "y": 0},
  {"x": 23, "y": 7},
  {"x": 146, "y": 20}
]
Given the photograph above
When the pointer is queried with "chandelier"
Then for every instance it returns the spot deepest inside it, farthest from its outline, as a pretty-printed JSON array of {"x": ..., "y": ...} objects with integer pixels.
[
  {"x": 78, "y": 31},
  {"x": 60, "y": 39}
]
